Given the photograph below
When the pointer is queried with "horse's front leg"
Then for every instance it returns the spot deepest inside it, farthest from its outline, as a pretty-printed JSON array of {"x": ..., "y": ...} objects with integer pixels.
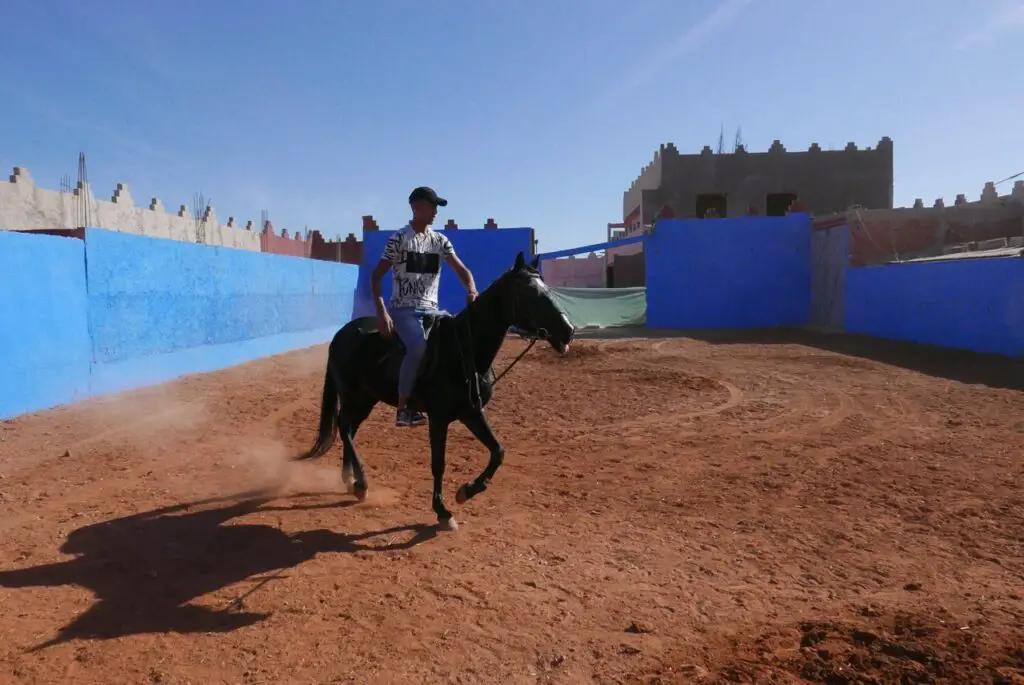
[
  {"x": 477, "y": 424},
  {"x": 438, "y": 445}
]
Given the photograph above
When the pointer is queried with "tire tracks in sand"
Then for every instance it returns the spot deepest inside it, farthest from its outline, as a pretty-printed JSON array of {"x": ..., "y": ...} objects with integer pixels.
[
  {"x": 679, "y": 411},
  {"x": 676, "y": 413}
]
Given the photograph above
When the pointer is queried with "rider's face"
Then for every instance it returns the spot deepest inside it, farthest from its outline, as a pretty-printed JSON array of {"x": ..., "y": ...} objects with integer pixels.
[{"x": 424, "y": 211}]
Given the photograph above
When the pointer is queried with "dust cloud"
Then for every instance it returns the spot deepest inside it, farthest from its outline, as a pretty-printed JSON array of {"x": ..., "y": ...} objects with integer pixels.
[{"x": 266, "y": 464}]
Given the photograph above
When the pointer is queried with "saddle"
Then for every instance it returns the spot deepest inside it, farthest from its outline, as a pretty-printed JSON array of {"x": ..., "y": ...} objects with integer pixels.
[{"x": 393, "y": 359}]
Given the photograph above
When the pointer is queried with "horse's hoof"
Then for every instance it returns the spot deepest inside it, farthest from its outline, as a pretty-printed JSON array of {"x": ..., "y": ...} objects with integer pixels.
[
  {"x": 448, "y": 524},
  {"x": 462, "y": 494},
  {"x": 360, "y": 493}
]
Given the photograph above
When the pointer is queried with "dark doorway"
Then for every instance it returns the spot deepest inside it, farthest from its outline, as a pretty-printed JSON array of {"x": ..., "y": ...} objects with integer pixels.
[
  {"x": 609, "y": 277},
  {"x": 712, "y": 206},
  {"x": 630, "y": 271},
  {"x": 777, "y": 204}
]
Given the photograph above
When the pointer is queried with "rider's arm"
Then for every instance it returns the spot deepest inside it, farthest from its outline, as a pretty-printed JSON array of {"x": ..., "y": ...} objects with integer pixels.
[
  {"x": 386, "y": 260},
  {"x": 462, "y": 272},
  {"x": 378, "y": 273},
  {"x": 457, "y": 266}
]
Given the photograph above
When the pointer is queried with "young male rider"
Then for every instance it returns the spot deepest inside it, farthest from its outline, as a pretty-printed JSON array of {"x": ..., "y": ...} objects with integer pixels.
[{"x": 414, "y": 256}]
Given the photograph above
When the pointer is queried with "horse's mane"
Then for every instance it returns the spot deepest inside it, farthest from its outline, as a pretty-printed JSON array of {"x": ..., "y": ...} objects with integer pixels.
[{"x": 450, "y": 323}]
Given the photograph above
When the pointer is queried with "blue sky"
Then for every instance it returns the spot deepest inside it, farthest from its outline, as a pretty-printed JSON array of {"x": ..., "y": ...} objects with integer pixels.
[{"x": 537, "y": 113}]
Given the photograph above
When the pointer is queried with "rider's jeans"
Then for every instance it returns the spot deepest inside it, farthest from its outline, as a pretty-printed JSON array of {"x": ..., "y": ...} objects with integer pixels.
[{"x": 409, "y": 326}]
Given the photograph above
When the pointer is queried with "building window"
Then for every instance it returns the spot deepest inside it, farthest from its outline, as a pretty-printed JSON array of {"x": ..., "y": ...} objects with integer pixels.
[
  {"x": 711, "y": 206},
  {"x": 777, "y": 204}
]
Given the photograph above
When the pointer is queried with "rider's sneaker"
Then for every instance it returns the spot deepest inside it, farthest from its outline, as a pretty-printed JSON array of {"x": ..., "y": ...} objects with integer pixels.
[{"x": 407, "y": 417}]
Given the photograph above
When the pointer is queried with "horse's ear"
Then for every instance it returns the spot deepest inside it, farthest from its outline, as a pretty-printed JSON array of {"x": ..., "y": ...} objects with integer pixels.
[
  {"x": 520, "y": 261},
  {"x": 536, "y": 262}
]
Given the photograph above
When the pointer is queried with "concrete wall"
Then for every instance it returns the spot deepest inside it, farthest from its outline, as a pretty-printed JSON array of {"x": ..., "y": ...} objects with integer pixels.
[
  {"x": 488, "y": 253},
  {"x": 650, "y": 179},
  {"x": 830, "y": 257},
  {"x": 572, "y": 272},
  {"x": 824, "y": 181},
  {"x": 971, "y": 304},
  {"x": 118, "y": 311},
  {"x": 25, "y": 206},
  {"x": 729, "y": 273}
]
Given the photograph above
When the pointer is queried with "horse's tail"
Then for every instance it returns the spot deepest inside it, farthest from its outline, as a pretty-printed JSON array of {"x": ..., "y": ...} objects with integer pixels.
[{"x": 328, "y": 420}]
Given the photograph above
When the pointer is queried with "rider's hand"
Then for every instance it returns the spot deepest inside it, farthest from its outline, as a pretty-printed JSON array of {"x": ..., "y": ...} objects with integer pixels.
[
  {"x": 385, "y": 324},
  {"x": 470, "y": 297}
]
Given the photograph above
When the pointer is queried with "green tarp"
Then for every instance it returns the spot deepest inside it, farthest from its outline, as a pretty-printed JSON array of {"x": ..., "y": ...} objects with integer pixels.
[{"x": 603, "y": 307}]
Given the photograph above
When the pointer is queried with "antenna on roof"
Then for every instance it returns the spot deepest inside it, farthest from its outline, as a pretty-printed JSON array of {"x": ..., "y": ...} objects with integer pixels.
[{"x": 83, "y": 214}]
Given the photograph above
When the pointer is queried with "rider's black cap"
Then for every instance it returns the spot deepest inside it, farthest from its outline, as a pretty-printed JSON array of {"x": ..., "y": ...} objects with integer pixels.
[{"x": 428, "y": 194}]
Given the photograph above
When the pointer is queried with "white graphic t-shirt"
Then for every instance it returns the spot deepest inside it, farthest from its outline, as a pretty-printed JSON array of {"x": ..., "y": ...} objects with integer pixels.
[{"x": 416, "y": 266}]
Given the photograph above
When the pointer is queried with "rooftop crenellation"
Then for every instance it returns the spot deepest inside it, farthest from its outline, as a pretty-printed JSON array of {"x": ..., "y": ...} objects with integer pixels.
[
  {"x": 989, "y": 196},
  {"x": 665, "y": 150}
]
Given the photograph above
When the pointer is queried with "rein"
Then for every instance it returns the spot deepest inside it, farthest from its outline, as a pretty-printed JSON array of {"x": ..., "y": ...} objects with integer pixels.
[{"x": 533, "y": 341}]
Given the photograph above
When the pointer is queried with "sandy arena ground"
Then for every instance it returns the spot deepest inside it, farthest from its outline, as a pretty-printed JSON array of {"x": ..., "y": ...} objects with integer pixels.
[{"x": 670, "y": 511}]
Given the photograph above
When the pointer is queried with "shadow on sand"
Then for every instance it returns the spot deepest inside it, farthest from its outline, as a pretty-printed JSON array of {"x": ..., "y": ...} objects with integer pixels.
[
  {"x": 144, "y": 569},
  {"x": 957, "y": 365}
]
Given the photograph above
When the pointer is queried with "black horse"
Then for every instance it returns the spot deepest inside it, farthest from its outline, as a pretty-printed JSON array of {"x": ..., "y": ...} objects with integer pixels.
[{"x": 455, "y": 379}]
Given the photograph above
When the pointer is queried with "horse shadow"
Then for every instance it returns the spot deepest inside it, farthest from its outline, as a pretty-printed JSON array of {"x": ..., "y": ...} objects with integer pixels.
[{"x": 146, "y": 569}]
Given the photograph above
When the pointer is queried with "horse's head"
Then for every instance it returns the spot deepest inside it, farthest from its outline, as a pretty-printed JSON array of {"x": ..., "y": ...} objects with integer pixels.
[{"x": 534, "y": 309}]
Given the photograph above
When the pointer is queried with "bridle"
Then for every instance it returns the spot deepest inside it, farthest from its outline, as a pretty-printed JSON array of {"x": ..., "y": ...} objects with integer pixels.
[{"x": 534, "y": 335}]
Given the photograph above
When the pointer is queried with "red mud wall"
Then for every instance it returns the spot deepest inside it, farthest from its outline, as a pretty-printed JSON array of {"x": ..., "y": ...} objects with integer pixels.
[
  {"x": 283, "y": 244},
  {"x": 78, "y": 233},
  {"x": 314, "y": 246},
  {"x": 349, "y": 251},
  {"x": 884, "y": 235}
]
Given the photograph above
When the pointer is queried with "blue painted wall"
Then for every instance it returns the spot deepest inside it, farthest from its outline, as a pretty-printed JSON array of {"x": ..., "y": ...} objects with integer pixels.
[
  {"x": 44, "y": 331},
  {"x": 150, "y": 296},
  {"x": 971, "y": 304},
  {"x": 120, "y": 311},
  {"x": 162, "y": 308},
  {"x": 746, "y": 272},
  {"x": 487, "y": 253}
]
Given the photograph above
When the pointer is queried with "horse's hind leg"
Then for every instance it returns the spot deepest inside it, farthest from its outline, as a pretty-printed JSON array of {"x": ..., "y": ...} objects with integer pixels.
[
  {"x": 351, "y": 416},
  {"x": 477, "y": 424}
]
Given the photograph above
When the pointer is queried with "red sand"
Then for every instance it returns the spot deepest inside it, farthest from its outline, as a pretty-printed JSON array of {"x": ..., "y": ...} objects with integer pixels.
[{"x": 669, "y": 511}]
